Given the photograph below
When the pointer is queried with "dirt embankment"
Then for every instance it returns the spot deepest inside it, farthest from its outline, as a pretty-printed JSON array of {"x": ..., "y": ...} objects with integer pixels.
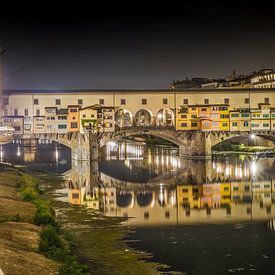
[{"x": 18, "y": 237}]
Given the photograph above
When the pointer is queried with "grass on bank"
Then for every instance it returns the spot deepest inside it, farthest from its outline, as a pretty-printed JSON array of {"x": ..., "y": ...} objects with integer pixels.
[
  {"x": 54, "y": 243},
  {"x": 227, "y": 146}
]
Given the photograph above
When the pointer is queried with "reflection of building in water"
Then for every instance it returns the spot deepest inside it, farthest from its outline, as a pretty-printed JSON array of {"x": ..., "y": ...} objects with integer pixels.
[
  {"x": 29, "y": 155},
  {"x": 221, "y": 190}
]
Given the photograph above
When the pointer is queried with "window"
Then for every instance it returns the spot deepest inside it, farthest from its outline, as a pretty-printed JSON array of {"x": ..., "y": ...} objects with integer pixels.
[
  {"x": 146, "y": 215},
  {"x": 193, "y": 116},
  {"x": 224, "y": 124},
  {"x": 246, "y": 100},
  {"x": 234, "y": 115},
  {"x": 245, "y": 115},
  {"x": 17, "y": 128},
  {"x": 144, "y": 101},
  {"x": 266, "y": 100},
  {"x": 101, "y": 101},
  {"x": 15, "y": 111},
  {"x": 183, "y": 124},
  {"x": 183, "y": 116},
  {"x": 62, "y": 126},
  {"x": 194, "y": 124},
  {"x": 265, "y": 125},
  {"x": 266, "y": 115},
  {"x": 37, "y": 112},
  {"x": 165, "y": 101},
  {"x": 6, "y": 101},
  {"x": 206, "y": 101},
  {"x": 62, "y": 117},
  {"x": 203, "y": 109},
  {"x": 80, "y": 101},
  {"x": 35, "y": 101},
  {"x": 234, "y": 124},
  {"x": 75, "y": 196},
  {"x": 58, "y": 101},
  {"x": 5, "y": 112},
  {"x": 26, "y": 112},
  {"x": 84, "y": 116},
  {"x": 226, "y": 101},
  {"x": 73, "y": 110},
  {"x": 245, "y": 124},
  {"x": 185, "y": 101},
  {"x": 73, "y": 125},
  {"x": 123, "y": 101}
]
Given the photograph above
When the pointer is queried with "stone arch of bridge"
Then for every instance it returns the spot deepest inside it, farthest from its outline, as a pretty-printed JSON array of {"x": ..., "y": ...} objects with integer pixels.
[
  {"x": 220, "y": 138},
  {"x": 164, "y": 134}
]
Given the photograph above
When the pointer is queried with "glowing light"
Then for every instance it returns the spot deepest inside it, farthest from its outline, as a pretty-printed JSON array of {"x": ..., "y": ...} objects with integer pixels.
[
  {"x": 253, "y": 168},
  {"x": 18, "y": 152},
  {"x": 56, "y": 155},
  {"x": 159, "y": 116},
  {"x": 1, "y": 154},
  {"x": 227, "y": 171},
  {"x": 252, "y": 136}
]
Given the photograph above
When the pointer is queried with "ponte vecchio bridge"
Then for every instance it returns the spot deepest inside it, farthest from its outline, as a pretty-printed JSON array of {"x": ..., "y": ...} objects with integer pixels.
[{"x": 194, "y": 120}]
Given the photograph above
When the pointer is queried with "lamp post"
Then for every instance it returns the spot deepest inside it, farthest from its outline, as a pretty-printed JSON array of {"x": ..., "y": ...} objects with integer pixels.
[{"x": 1, "y": 81}]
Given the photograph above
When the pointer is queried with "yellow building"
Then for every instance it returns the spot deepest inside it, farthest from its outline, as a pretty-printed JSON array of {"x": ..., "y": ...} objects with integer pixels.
[
  {"x": 97, "y": 117},
  {"x": 224, "y": 117},
  {"x": 260, "y": 117},
  {"x": 189, "y": 196}
]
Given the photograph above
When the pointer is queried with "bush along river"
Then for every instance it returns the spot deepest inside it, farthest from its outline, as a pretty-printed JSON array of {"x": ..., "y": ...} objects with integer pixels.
[{"x": 144, "y": 210}]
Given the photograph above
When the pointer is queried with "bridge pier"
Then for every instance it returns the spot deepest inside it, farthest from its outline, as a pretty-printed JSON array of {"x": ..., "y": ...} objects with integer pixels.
[
  {"x": 196, "y": 145},
  {"x": 80, "y": 148}
]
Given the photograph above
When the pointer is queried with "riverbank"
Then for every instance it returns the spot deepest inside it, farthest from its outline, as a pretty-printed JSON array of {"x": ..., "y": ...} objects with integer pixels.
[
  {"x": 77, "y": 240},
  {"x": 19, "y": 245}
]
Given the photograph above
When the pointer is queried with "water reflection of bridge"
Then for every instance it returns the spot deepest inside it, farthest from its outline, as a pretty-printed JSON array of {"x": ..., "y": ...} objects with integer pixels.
[{"x": 221, "y": 190}]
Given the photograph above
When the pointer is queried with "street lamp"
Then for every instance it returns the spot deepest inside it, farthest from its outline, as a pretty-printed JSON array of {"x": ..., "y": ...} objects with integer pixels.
[{"x": 1, "y": 97}]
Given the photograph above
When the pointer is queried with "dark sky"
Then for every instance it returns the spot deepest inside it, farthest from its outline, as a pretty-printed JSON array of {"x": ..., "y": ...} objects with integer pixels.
[{"x": 135, "y": 46}]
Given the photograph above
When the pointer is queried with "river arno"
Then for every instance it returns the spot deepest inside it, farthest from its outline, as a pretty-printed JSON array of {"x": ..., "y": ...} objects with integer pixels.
[{"x": 199, "y": 217}]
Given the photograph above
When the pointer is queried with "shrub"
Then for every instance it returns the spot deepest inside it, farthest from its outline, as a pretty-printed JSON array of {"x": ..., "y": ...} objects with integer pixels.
[
  {"x": 45, "y": 213},
  {"x": 49, "y": 240}
]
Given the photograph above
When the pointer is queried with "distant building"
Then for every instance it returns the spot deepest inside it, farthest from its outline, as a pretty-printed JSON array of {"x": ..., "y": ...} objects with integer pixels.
[
  {"x": 192, "y": 83},
  {"x": 263, "y": 79}
]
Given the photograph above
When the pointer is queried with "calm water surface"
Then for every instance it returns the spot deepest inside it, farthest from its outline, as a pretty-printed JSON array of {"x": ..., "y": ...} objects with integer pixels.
[{"x": 199, "y": 217}]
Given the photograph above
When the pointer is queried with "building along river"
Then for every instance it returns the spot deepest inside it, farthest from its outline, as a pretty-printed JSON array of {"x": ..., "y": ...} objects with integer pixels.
[{"x": 198, "y": 217}]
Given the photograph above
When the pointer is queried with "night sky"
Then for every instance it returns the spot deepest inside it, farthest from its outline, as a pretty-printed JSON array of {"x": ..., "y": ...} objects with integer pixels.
[{"x": 135, "y": 46}]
